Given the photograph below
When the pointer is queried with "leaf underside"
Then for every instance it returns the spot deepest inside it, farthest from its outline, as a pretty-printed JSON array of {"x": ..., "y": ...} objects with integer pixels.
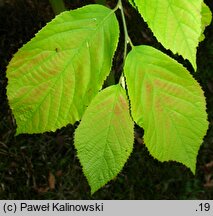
[
  {"x": 53, "y": 78},
  {"x": 104, "y": 138},
  {"x": 168, "y": 103},
  {"x": 176, "y": 24}
]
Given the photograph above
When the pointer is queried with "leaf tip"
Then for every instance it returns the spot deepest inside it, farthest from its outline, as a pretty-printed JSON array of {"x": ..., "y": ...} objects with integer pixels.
[
  {"x": 192, "y": 168},
  {"x": 18, "y": 131},
  {"x": 93, "y": 190}
]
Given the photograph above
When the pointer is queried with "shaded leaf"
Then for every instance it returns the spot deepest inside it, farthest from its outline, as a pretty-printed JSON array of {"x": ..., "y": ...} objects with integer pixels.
[{"x": 51, "y": 181}]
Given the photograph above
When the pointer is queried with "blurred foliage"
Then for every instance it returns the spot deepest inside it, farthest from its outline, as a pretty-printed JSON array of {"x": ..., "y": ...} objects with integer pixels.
[{"x": 44, "y": 166}]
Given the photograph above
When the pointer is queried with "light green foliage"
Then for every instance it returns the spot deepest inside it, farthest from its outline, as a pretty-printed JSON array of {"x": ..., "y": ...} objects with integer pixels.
[
  {"x": 206, "y": 19},
  {"x": 101, "y": 2},
  {"x": 168, "y": 103},
  {"x": 52, "y": 79},
  {"x": 176, "y": 24},
  {"x": 104, "y": 138},
  {"x": 56, "y": 78}
]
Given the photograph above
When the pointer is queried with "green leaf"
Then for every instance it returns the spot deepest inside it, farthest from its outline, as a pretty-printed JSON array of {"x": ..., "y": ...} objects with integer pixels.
[
  {"x": 206, "y": 19},
  {"x": 176, "y": 24},
  {"x": 104, "y": 138},
  {"x": 101, "y": 2},
  {"x": 58, "y": 6},
  {"x": 168, "y": 103},
  {"x": 132, "y": 3},
  {"x": 53, "y": 78}
]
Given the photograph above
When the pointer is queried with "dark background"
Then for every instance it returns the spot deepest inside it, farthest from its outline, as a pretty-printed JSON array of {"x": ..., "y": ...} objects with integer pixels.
[{"x": 45, "y": 166}]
